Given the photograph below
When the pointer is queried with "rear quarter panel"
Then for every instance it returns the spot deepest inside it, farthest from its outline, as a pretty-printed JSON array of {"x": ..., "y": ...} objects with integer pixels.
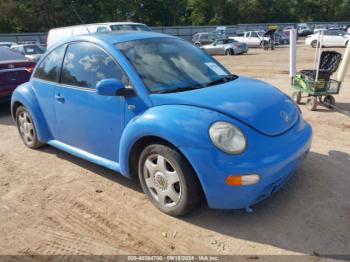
[{"x": 25, "y": 95}]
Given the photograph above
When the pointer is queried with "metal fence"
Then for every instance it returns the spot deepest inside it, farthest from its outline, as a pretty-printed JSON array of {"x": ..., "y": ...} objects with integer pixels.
[
  {"x": 185, "y": 32},
  {"x": 24, "y": 37}
]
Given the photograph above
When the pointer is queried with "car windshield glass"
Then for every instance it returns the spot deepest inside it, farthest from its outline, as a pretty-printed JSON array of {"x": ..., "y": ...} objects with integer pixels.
[
  {"x": 33, "y": 49},
  {"x": 229, "y": 41},
  {"x": 128, "y": 27},
  {"x": 166, "y": 64}
]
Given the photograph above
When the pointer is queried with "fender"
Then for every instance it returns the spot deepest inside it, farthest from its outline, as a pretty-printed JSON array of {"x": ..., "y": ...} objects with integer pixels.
[
  {"x": 190, "y": 130},
  {"x": 25, "y": 95}
]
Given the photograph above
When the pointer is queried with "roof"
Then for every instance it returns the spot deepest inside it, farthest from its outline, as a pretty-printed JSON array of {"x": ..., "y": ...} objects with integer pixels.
[
  {"x": 104, "y": 23},
  {"x": 115, "y": 37}
]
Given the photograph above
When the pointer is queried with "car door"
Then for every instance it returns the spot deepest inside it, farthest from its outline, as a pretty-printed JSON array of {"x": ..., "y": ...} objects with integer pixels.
[
  {"x": 338, "y": 39},
  {"x": 204, "y": 39},
  {"x": 327, "y": 38},
  {"x": 254, "y": 39},
  {"x": 86, "y": 120},
  {"x": 218, "y": 47},
  {"x": 248, "y": 38},
  {"x": 45, "y": 80}
]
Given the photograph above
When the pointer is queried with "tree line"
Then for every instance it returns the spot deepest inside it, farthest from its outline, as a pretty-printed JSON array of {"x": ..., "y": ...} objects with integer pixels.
[{"x": 41, "y": 15}]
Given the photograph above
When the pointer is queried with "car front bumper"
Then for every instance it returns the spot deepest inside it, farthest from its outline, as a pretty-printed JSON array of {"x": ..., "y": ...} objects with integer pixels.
[{"x": 275, "y": 163}]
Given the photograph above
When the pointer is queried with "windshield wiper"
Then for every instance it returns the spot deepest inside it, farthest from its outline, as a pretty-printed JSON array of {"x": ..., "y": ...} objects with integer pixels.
[
  {"x": 179, "y": 89},
  {"x": 223, "y": 79}
]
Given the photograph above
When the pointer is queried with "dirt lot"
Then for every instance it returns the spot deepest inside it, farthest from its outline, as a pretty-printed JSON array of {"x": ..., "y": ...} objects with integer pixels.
[{"x": 54, "y": 203}]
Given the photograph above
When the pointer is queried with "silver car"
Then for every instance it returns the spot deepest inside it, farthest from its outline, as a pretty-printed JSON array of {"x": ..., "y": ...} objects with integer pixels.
[
  {"x": 32, "y": 51},
  {"x": 225, "y": 47}
]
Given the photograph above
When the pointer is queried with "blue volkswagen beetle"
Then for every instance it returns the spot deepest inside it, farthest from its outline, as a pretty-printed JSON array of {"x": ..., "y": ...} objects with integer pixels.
[{"x": 154, "y": 106}]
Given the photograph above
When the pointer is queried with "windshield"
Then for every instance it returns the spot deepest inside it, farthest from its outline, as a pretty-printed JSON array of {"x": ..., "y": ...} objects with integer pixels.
[
  {"x": 166, "y": 64},
  {"x": 33, "y": 49},
  {"x": 230, "y": 41},
  {"x": 130, "y": 27}
]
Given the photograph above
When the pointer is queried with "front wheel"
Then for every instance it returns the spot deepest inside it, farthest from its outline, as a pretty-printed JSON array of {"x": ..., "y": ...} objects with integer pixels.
[
  {"x": 229, "y": 52},
  {"x": 26, "y": 128},
  {"x": 168, "y": 180}
]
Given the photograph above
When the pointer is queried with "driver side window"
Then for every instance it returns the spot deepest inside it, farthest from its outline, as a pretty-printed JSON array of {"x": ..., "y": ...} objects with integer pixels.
[{"x": 85, "y": 65}]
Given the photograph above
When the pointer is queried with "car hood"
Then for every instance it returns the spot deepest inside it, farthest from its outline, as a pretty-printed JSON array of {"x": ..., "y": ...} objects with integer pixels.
[{"x": 255, "y": 103}]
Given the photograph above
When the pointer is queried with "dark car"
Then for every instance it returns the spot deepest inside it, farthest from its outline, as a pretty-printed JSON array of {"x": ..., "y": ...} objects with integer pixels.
[
  {"x": 15, "y": 69},
  {"x": 281, "y": 38},
  {"x": 205, "y": 38}
]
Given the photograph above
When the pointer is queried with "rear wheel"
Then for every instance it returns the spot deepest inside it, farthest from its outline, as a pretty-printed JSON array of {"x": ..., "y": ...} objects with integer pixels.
[
  {"x": 168, "y": 180},
  {"x": 314, "y": 43},
  {"x": 229, "y": 52},
  {"x": 296, "y": 96},
  {"x": 311, "y": 103},
  {"x": 26, "y": 128},
  {"x": 329, "y": 101}
]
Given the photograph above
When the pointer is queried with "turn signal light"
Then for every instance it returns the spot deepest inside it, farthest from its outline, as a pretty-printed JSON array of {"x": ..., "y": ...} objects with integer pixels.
[{"x": 242, "y": 180}]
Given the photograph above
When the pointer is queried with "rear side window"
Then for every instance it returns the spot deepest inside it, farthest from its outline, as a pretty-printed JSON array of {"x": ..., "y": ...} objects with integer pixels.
[
  {"x": 49, "y": 68},
  {"x": 85, "y": 65},
  {"x": 101, "y": 29},
  {"x": 204, "y": 37}
]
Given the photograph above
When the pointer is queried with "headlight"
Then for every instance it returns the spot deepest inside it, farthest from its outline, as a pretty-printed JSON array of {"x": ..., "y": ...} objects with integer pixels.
[{"x": 227, "y": 137}]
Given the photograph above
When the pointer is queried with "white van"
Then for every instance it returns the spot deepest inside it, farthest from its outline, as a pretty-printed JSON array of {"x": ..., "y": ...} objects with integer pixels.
[{"x": 57, "y": 34}]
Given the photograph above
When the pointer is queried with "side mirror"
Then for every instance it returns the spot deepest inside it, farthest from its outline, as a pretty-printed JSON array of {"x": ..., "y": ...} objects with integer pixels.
[
  {"x": 109, "y": 87},
  {"x": 113, "y": 87}
]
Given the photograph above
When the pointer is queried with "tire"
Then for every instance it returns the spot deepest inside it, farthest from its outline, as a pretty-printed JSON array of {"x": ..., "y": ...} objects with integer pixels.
[
  {"x": 26, "y": 128},
  {"x": 314, "y": 43},
  {"x": 296, "y": 97},
  {"x": 197, "y": 44},
  {"x": 329, "y": 101},
  {"x": 168, "y": 180},
  {"x": 229, "y": 52},
  {"x": 312, "y": 103},
  {"x": 346, "y": 43}
]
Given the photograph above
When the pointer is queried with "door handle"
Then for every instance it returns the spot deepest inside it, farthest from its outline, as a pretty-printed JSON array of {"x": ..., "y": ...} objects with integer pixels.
[{"x": 59, "y": 98}]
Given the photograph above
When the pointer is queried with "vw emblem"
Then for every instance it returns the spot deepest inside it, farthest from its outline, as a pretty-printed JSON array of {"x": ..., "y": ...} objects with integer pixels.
[
  {"x": 284, "y": 116},
  {"x": 11, "y": 66}
]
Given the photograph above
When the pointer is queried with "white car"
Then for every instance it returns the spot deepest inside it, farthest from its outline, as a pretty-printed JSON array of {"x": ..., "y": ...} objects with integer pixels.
[
  {"x": 334, "y": 38},
  {"x": 7, "y": 44},
  {"x": 57, "y": 34},
  {"x": 251, "y": 38}
]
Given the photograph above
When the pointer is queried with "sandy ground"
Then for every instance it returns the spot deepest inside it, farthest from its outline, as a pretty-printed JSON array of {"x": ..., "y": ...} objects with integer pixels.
[{"x": 54, "y": 203}]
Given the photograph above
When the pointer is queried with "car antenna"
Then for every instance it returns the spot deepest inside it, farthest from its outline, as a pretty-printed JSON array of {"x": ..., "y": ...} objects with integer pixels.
[{"x": 79, "y": 17}]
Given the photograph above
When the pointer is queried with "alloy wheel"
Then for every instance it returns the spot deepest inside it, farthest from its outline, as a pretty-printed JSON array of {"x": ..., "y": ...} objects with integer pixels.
[
  {"x": 162, "y": 180},
  {"x": 26, "y": 127}
]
